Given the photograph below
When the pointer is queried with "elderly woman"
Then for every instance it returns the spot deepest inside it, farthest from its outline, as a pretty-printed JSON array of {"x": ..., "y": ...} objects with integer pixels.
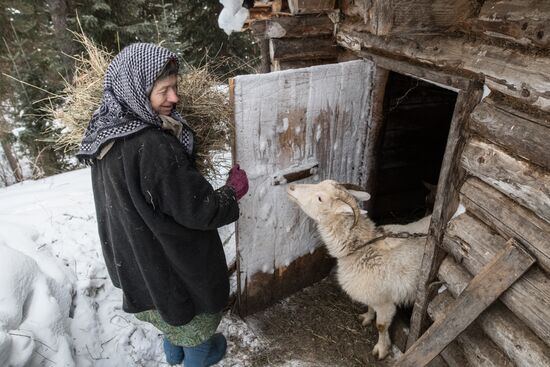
[{"x": 157, "y": 215}]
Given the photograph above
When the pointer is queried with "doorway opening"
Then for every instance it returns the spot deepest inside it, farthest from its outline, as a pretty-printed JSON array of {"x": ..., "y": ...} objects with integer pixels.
[{"x": 409, "y": 151}]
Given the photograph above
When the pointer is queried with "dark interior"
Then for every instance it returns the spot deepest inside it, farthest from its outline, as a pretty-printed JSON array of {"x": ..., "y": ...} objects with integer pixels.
[{"x": 416, "y": 120}]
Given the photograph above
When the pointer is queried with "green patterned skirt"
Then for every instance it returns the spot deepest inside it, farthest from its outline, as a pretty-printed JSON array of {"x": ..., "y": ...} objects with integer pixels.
[{"x": 196, "y": 331}]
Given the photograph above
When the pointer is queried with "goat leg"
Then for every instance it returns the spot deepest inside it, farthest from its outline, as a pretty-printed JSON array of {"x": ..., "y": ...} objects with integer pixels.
[
  {"x": 384, "y": 317},
  {"x": 367, "y": 317}
]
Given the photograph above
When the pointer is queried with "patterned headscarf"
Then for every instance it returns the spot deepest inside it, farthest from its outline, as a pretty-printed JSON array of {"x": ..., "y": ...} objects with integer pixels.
[{"x": 126, "y": 108}]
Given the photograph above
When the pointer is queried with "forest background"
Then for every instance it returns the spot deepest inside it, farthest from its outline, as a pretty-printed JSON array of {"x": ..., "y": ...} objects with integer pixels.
[{"x": 36, "y": 52}]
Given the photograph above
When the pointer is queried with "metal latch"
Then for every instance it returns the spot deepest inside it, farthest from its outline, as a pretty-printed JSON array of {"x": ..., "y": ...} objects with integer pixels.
[{"x": 292, "y": 174}]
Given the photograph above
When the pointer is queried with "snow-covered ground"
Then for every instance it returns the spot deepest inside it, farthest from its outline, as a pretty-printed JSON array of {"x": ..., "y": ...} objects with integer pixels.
[{"x": 57, "y": 304}]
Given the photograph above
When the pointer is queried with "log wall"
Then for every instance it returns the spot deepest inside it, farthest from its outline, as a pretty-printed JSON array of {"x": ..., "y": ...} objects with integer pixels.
[
  {"x": 505, "y": 191},
  {"x": 299, "y": 41}
]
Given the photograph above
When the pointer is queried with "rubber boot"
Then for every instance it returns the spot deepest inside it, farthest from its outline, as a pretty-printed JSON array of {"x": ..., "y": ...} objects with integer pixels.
[
  {"x": 206, "y": 354},
  {"x": 174, "y": 353}
]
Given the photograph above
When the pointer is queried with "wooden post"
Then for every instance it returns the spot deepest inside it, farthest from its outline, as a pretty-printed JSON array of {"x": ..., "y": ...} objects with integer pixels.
[
  {"x": 265, "y": 66},
  {"x": 495, "y": 277},
  {"x": 446, "y": 202},
  {"x": 375, "y": 131}
]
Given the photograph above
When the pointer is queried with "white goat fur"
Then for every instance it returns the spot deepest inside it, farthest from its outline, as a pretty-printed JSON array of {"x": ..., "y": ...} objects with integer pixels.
[{"x": 382, "y": 274}]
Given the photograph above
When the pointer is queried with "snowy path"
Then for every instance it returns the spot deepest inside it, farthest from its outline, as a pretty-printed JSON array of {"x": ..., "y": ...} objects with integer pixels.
[{"x": 53, "y": 222}]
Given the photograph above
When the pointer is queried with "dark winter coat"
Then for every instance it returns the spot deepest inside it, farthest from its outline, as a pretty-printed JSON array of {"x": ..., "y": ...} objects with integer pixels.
[{"x": 158, "y": 220}]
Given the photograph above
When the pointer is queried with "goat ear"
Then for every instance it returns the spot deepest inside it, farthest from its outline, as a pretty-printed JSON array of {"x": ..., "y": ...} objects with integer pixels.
[
  {"x": 345, "y": 208},
  {"x": 360, "y": 195},
  {"x": 357, "y": 191}
]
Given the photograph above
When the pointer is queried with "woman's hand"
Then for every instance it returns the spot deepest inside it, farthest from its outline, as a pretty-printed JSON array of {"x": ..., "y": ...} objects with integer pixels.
[{"x": 238, "y": 181}]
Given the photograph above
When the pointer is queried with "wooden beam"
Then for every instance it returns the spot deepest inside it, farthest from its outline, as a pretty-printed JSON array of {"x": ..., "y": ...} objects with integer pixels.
[
  {"x": 310, "y": 6},
  {"x": 519, "y": 343},
  {"x": 294, "y": 27},
  {"x": 508, "y": 218},
  {"x": 473, "y": 245},
  {"x": 302, "y": 49},
  {"x": 386, "y": 17},
  {"x": 375, "y": 132},
  {"x": 526, "y": 183},
  {"x": 265, "y": 66},
  {"x": 526, "y": 23},
  {"x": 446, "y": 203},
  {"x": 503, "y": 69},
  {"x": 495, "y": 277},
  {"x": 479, "y": 350},
  {"x": 454, "y": 356},
  {"x": 524, "y": 136},
  {"x": 418, "y": 71},
  {"x": 277, "y": 65}
]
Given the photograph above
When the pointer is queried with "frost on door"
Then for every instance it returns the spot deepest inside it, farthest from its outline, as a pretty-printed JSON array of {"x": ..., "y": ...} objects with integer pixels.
[{"x": 302, "y": 125}]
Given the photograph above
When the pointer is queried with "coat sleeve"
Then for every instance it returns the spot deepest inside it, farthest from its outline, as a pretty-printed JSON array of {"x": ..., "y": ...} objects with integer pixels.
[{"x": 172, "y": 185}]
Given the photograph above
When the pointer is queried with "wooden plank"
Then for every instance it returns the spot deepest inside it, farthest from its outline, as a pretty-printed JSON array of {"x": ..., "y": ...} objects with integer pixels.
[
  {"x": 263, "y": 289},
  {"x": 454, "y": 355},
  {"x": 418, "y": 71},
  {"x": 508, "y": 218},
  {"x": 526, "y": 23},
  {"x": 286, "y": 120},
  {"x": 512, "y": 72},
  {"x": 473, "y": 244},
  {"x": 479, "y": 350},
  {"x": 526, "y": 137},
  {"x": 495, "y": 277},
  {"x": 302, "y": 49},
  {"x": 265, "y": 66},
  {"x": 446, "y": 202},
  {"x": 519, "y": 343},
  {"x": 438, "y": 361},
  {"x": 375, "y": 132},
  {"x": 310, "y": 6},
  {"x": 518, "y": 179},
  {"x": 277, "y": 65},
  {"x": 519, "y": 109},
  {"x": 294, "y": 27}
]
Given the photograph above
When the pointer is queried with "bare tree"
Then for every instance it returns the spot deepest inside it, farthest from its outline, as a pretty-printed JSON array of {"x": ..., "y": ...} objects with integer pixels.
[
  {"x": 8, "y": 150},
  {"x": 58, "y": 13}
]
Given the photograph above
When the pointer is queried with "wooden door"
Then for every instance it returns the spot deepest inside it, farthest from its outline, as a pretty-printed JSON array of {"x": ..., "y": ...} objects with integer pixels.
[{"x": 302, "y": 125}]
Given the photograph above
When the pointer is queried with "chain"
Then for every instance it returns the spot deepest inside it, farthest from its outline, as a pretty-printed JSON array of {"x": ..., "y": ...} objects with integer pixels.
[{"x": 389, "y": 235}]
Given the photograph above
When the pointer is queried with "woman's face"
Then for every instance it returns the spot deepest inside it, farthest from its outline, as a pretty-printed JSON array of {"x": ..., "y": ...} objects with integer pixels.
[{"x": 164, "y": 95}]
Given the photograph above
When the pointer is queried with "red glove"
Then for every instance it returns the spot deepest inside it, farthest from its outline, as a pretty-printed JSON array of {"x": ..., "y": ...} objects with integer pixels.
[{"x": 238, "y": 181}]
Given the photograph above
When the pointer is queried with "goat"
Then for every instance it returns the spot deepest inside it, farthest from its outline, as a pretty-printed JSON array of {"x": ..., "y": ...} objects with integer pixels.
[{"x": 374, "y": 267}]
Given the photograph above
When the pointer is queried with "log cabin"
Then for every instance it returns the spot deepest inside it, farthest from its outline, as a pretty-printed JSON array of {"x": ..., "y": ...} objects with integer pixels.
[{"x": 392, "y": 94}]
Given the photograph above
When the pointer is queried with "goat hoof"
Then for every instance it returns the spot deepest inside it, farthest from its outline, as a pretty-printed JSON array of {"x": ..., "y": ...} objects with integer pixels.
[{"x": 380, "y": 352}]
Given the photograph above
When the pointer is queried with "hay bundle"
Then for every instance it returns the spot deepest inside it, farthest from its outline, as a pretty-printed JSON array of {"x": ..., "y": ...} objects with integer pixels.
[
  {"x": 205, "y": 105},
  {"x": 202, "y": 102}
]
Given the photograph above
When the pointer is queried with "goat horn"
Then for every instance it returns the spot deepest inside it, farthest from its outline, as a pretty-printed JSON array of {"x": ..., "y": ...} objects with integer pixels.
[{"x": 350, "y": 200}]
